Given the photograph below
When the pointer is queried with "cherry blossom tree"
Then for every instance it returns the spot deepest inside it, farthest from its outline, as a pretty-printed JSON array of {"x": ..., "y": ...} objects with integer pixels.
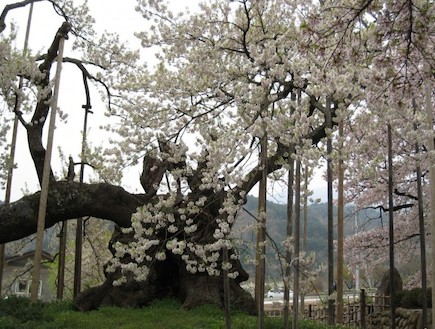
[
  {"x": 395, "y": 41},
  {"x": 390, "y": 44},
  {"x": 225, "y": 76}
]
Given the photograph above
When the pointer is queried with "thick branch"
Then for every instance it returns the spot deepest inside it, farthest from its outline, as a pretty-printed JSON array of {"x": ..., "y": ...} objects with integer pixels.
[
  {"x": 10, "y": 7},
  {"x": 68, "y": 200},
  {"x": 152, "y": 174},
  {"x": 35, "y": 127},
  {"x": 408, "y": 195},
  {"x": 87, "y": 75},
  {"x": 54, "y": 48},
  {"x": 16, "y": 5}
]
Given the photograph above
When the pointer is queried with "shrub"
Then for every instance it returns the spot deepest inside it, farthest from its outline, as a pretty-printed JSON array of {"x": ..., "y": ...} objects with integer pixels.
[
  {"x": 8, "y": 322},
  {"x": 21, "y": 309}
]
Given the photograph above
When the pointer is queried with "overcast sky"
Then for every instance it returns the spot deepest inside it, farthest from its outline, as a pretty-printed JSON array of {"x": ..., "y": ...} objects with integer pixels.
[{"x": 111, "y": 15}]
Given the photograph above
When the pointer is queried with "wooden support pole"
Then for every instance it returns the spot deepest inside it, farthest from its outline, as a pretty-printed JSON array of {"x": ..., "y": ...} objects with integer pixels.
[
  {"x": 46, "y": 180},
  {"x": 431, "y": 151},
  {"x": 305, "y": 227},
  {"x": 288, "y": 253},
  {"x": 422, "y": 229},
  {"x": 63, "y": 234},
  {"x": 297, "y": 235},
  {"x": 363, "y": 306},
  {"x": 391, "y": 228},
  {"x": 14, "y": 143},
  {"x": 340, "y": 228},
  {"x": 260, "y": 270},
  {"x": 227, "y": 296},
  {"x": 330, "y": 214}
]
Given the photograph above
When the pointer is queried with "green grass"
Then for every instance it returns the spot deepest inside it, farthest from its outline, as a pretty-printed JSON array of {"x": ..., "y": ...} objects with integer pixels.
[{"x": 18, "y": 313}]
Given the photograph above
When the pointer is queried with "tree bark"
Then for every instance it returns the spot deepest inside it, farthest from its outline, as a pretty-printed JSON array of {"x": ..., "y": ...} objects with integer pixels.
[
  {"x": 68, "y": 200},
  {"x": 168, "y": 279}
]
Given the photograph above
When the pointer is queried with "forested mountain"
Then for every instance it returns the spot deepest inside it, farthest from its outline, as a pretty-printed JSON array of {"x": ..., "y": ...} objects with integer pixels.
[{"x": 316, "y": 229}]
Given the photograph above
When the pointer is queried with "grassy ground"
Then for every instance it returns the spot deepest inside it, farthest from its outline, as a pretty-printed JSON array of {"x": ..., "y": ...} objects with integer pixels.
[{"x": 18, "y": 313}]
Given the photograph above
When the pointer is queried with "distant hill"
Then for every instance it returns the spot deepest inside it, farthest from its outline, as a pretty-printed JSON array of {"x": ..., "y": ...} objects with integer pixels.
[{"x": 317, "y": 228}]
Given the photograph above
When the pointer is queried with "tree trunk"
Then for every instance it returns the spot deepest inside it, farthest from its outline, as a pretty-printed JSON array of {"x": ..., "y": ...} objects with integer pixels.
[{"x": 167, "y": 279}]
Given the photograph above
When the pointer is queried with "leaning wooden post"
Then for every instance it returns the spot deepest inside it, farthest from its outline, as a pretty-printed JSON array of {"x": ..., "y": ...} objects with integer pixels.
[
  {"x": 63, "y": 31},
  {"x": 14, "y": 142}
]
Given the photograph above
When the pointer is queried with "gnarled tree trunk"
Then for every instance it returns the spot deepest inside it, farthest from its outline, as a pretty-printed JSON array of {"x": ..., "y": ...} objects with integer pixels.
[{"x": 168, "y": 279}]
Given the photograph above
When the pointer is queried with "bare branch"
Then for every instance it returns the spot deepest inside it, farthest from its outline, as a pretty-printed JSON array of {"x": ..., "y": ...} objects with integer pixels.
[
  {"x": 395, "y": 208},
  {"x": 87, "y": 75},
  {"x": 12, "y": 6}
]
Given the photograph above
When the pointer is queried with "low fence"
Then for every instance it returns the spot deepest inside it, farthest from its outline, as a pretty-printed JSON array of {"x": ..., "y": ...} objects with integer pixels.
[{"x": 357, "y": 311}]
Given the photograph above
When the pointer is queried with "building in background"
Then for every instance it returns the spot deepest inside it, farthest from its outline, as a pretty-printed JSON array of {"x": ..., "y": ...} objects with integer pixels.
[{"x": 17, "y": 276}]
